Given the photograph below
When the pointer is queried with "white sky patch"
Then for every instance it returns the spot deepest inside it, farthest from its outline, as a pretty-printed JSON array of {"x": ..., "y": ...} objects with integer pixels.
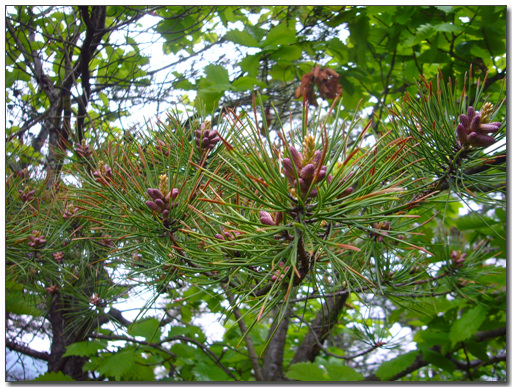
[{"x": 211, "y": 325}]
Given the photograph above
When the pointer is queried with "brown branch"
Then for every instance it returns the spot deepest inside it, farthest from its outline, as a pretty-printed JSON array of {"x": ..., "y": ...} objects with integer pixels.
[
  {"x": 486, "y": 335},
  {"x": 472, "y": 171},
  {"x": 328, "y": 353},
  {"x": 419, "y": 362},
  {"x": 468, "y": 365},
  {"x": 95, "y": 29},
  {"x": 272, "y": 368},
  {"x": 113, "y": 314},
  {"x": 326, "y": 319},
  {"x": 26, "y": 350}
]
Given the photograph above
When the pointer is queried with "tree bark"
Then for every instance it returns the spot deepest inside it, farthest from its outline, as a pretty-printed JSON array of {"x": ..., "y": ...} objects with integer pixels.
[
  {"x": 326, "y": 319},
  {"x": 61, "y": 338},
  {"x": 272, "y": 368}
]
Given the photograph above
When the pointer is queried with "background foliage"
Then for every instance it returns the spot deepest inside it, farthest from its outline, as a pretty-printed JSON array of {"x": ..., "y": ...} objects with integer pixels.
[{"x": 387, "y": 262}]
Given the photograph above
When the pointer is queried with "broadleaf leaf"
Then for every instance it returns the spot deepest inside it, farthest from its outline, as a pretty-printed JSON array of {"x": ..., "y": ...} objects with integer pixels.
[
  {"x": 468, "y": 324},
  {"x": 394, "y": 366}
]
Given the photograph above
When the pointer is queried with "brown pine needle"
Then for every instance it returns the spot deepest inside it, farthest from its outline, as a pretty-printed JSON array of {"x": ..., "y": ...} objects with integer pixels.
[{"x": 348, "y": 247}]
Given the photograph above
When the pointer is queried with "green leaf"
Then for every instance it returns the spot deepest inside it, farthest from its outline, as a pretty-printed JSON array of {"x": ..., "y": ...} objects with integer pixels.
[
  {"x": 477, "y": 349},
  {"x": 185, "y": 353},
  {"x": 436, "y": 358},
  {"x": 185, "y": 85},
  {"x": 247, "y": 83},
  {"x": 19, "y": 302},
  {"x": 392, "y": 367},
  {"x": 140, "y": 371},
  {"x": 280, "y": 34},
  {"x": 468, "y": 324},
  {"x": 422, "y": 33},
  {"x": 84, "y": 348},
  {"x": 447, "y": 27},
  {"x": 403, "y": 14},
  {"x": 118, "y": 364},
  {"x": 287, "y": 53},
  {"x": 216, "y": 75},
  {"x": 209, "y": 98},
  {"x": 474, "y": 222},
  {"x": 339, "y": 373},
  {"x": 54, "y": 377},
  {"x": 501, "y": 214},
  {"x": 16, "y": 75},
  {"x": 445, "y": 8},
  {"x": 242, "y": 37},
  {"x": 149, "y": 329},
  {"x": 250, "y": 64},
  {"x": 205, "y": 370},
  {"x": 104, "y": 99},
  {"x": 306, "y": 372}
]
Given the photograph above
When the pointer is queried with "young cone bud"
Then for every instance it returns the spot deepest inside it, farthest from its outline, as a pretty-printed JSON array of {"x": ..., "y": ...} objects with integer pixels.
[
  {"x": 475, "y": 123},
  {"x": 307, "y": 172},
  {"x": 461, "y": 134},
  {"x": 153, "y": 206},
  {"x": 296, "y": 157},
  {"x": 481, "y": 140},
  {"x": 493, "y": 127},
  {"x": 316, "y": 159},
  {"x": 266, "y": 218},
  {"x": 288, "y": 169},
  {"x": 321, "y": 173},
  {"x": 155, "y": 193},
  {"x": 160, "y": 203}
]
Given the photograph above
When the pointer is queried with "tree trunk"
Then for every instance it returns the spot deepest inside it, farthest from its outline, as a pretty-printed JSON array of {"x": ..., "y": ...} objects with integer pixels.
[{"x": 61, "y": 338}]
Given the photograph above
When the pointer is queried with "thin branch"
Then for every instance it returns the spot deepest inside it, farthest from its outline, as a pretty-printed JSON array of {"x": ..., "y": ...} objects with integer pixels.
[
  {"x": 116, "y": 315},
  {"x": 158, "y": 345},
  {"x": 26, "y": 350},
  {"x": 327, "y": 352},
  {"x": 320, "y": 328},
  {"x": 129, "y": 339},
  {"x": 206, "y": 48},
  {"x": 472, "y": 366},
  {"x": 419, "y": 362},
  {"x": 486, "y": 335}
]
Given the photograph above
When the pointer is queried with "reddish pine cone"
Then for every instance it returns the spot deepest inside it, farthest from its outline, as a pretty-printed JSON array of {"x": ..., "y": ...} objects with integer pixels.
[
  {"x": 206, "y": 139},
  {"x": 471, "y": 131}
]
